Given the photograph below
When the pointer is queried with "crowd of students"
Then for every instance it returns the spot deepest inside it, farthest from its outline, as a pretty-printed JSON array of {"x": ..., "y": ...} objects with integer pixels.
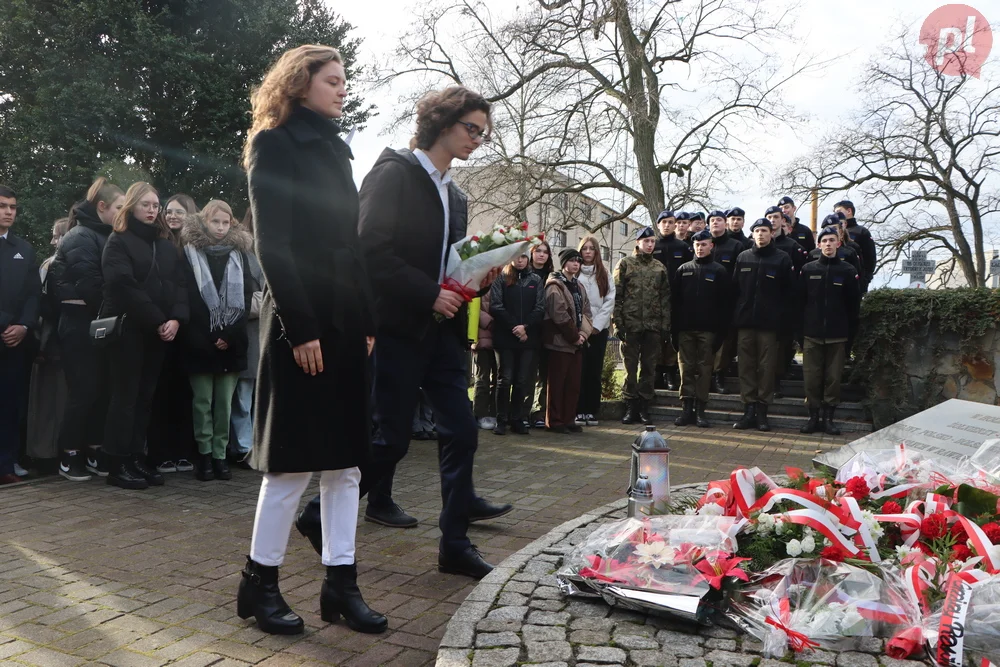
[
  {"x": 140, "y": 336},
  {"x": 695, "y": 294}
]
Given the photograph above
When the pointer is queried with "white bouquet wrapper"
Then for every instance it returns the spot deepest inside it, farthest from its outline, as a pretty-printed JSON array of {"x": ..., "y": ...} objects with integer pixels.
[{"x": 465, "y": 275}]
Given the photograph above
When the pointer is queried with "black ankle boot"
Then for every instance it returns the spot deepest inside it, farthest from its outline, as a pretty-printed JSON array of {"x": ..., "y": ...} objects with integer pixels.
[
  {"x": 122, "y": 474},
  {"x": 203, "y": 468},
  {"x": 719, "y": 383},
  {"x": 151, "y": 475},
  {"x": 340, "y": 596},
  {"x": 813, "y": 424},
  {"x": 671, "y": 378},
  {"x": 749, "y": 418},
  {"x": 831, "y": 428},
  {"x": 630, "y": 412},
  {"x": 260, "y": 597},
  {"x": 699, "y": 418},
  {"x": 687, "y": 416},
  {"x": 644, "y": 415},
  {"x": 220, "y": 468},
  {"x": 762, "y": 424}
]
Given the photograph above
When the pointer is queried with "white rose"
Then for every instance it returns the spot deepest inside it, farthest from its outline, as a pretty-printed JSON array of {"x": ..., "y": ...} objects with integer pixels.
[
  {"x": 794, "y": 548},
  {"x": 473, "y": 244},
  {"x": 779, "y": 526},
  {"x": 498, "y": 238},
  {"x": 515, "y": 235},
  {"x": 766, "y": 522},
  {"x": 710, "y": 509},
  {"x": 808, "y": 544}
]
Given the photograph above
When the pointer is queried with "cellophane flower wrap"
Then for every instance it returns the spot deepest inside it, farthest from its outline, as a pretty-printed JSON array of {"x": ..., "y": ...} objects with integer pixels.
[
  {"x": 964, "y": 629},
  {"x": 470, "y": 260},
  {"x": 674, "y": 564},
  {"x": 816, "y": 603}
]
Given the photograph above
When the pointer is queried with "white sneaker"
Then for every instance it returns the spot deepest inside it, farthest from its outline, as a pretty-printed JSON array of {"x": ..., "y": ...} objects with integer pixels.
[
  {"x": 183, "y": 465},
  {"x": 487, "y": 423},
  {"x": 581, "y": 420},
  {"x": 19, "y": 471},
  {"x": 592, "y": 420},
  {"x": 167, "y": 466}
]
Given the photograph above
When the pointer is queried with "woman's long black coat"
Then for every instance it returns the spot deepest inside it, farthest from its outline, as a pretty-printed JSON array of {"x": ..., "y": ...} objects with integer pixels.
[{"x": 305, "y": 209}]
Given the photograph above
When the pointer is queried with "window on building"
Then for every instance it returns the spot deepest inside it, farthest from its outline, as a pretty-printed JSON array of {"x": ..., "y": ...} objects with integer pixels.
[
  {"x": 559, "y": 239},
  {"x": 623, "y": 228},
  {"x": 562, "y": 201},
  {"x": 621, "y": 255},
  {"x": 605, "y": 253}
]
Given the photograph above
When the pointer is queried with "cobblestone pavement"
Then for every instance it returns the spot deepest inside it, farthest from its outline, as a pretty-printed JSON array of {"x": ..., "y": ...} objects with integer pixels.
[
  {"x": 91, "y": 574},
  {"x": 518, "y": 615}
]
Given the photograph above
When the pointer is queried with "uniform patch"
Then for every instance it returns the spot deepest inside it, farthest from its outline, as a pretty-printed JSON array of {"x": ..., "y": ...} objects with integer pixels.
[
  {"x": 710, "y": 277},
  {"x": 688, "y": 273},
  {"x": 770, "y": 274},
  {"x": 727, "y": 258},
  {"x": 678, "y": 255},
  {"x": 747, "y": 268},
  {"x": 815, "y": 277},
  {"x": 838, "y": 282}
]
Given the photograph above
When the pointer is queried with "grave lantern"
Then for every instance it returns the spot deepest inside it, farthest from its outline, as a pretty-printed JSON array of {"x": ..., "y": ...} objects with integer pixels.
[
  {"x": 640, "y": 497},
  {"x": 651, "y": 458}
]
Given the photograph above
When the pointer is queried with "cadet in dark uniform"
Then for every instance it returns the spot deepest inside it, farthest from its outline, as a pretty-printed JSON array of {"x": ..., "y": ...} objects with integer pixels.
[
  {"x": 682, "y": 227},
  {"x": 832, "y": 300},
  {"x": 697, "y": 224},
  {"x": 860, "y": 235},
  {"x": 780, "y": 223},
  {"x": 725, "y": 249},
  {"x": 802, "y": 234},
  {"x": 672, "y": 252},
  {"x": 849, "y": 251},
  {"x": 701, "y": 302},
  {"x": 764, "y": 281},
  {"x": 735, "y": 218}
]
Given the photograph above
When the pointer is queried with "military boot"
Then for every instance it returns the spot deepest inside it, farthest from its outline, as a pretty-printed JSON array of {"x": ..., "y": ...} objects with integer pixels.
[
  {"x": 671, "y": 379},
  {"x": 813, "y": 424},
  {"x": 700, "y": 419},
  {"x": 762, "y": 424},
  {"x": 643, "y": 407},
  {"x": 749, "y": 418},
  {"x": 719, "y": 383},
  {"x": 831, "y": 428},
  {"x": 687, "y": 416},
  {"x": 630, "y": 412}
]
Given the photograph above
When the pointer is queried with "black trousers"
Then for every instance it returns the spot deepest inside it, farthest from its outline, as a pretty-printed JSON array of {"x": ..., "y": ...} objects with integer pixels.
[
  {"x": 513, "y": 381},
  {"x": 437, "y": 364},
  {"x": 85, "y": 367},
  {"x": 592, "y": 375},
  {"x": 170, "y": 435},
  {"x": 135, "y": 361},
  {"x": 13, "y": 366}
]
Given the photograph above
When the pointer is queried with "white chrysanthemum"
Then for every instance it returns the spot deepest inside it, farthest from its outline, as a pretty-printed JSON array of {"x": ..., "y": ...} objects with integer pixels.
[
  {"x": 690, "y": 511},
  {"x": 902, "y": 551},
  {"x": 852, "y": 623},
  {"x": 779, "y": 526},
  {"x": 794, "y": 548},
  {"x": 808, "y": 544},
  {"x": 655, "y": 554},
  {"x": 710, "y": 509}
]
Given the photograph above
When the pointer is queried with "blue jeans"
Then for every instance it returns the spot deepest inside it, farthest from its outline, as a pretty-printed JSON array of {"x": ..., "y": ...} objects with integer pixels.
[{"x": 242, "y": 417}]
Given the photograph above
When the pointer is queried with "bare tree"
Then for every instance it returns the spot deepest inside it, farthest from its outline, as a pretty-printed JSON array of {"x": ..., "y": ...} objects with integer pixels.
[
  {"x": 922, "y": 153},
  {"x": 603, "y": 90}
]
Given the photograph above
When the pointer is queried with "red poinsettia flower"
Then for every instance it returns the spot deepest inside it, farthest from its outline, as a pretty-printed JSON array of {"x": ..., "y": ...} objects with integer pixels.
[
  {"x": 833, "y": 553},
  {"x": 933, "y": 526},
  {"x": 857, "y": 487},
  {"x": 892, "y": 507},
  {"x": 992, "y": 531},
  {"x": 961, "y": 552},
  {"x": 606, "y": 569},
  {"x": 717, "y": 566}
]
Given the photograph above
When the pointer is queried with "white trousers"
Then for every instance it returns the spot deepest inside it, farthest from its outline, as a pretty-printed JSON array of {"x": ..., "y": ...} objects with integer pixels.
[{"x": 278, "y": 502}]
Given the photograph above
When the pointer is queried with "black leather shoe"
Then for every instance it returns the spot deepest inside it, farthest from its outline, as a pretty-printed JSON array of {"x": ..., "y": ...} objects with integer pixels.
[
  {"x": 762, "y": 424},
  {"x": 630, "y": 412},
  {"x": 501, "y": 428},
  {"x": 151, "y": 475},
  {"x": 309, "y": 526},
  {"x": 220, "y": 468},
  {"x": 483, "y": 510},
  {"x": 391, "y": 515},
  {"x": 203, "y": 469},
  {"x": 468, "y": 562},
  {"x": 719, "y": 384},
  {"x": 123, "y": 475},
  {"x": 260, "y": 597},
  {"x": 644, "y": 415},
  {"x": 699, "y": 417},
  {"x": 520, "y": 427},
  {"x": 340, "y": 596}
]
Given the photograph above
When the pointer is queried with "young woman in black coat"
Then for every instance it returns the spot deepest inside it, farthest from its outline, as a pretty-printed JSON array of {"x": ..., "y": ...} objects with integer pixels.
[
  {"x": 77, "y": 281},
  {"x": 542, "y": 264},
  {"x": 517, "y": 304},
  {"x": 144, "y": 281},
  {"x": 316, "y": 331},
  {"x": 215, "y": 342}
]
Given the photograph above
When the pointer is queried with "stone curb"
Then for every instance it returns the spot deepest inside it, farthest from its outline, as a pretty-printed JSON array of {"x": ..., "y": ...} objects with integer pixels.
[{"x": 459, "y": 635}]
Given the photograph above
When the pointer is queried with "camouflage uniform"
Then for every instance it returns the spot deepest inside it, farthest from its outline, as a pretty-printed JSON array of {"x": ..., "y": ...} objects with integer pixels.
[{"x": 641, "y": 319}]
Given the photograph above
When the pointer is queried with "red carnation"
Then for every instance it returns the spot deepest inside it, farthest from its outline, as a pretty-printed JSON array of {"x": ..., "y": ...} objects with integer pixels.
[
  {"x": 992, "y": 531},
  {"x": 925, "y": 548},
  {"x": 933, "y": 526},
  {"x": 958, "y": 532},
  {"x": 892, "y": 507},
  {"x": 833, "y": 553},
  {"x": 961, "y": 552},
  {"x": 857, "y": 487}
]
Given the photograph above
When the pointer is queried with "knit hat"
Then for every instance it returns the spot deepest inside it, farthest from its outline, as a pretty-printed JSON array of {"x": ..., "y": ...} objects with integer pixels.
[
  {"x": 827, "y": 231},
  {"x": 736, "y": 212},
  {"x": 760, "y": 222},
  {"x": 785, "y": 200},
  {"x": 568, "y": 255},
  {"x": 717, "y": 214},
  {"x": 645, "y": 233},
  {"x": 665, "y": 214},
  {"x": 703, "y": 235},
  {"x": 772, "y": 209}
]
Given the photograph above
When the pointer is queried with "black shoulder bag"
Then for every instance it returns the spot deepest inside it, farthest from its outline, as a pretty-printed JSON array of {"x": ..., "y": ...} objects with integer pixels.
[{"x": 107, "y": 330}]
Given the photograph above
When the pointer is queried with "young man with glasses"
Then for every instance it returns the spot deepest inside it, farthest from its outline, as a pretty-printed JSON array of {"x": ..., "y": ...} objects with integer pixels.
[
  {"x": 20, "y": 296},
  {"x": 411, "y": 212}
]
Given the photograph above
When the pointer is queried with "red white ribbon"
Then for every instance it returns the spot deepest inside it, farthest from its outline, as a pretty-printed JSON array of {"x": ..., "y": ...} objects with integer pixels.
[
  {"x": 864, "y": 537},
  {"x": 821, "y": 521},
  {"x": 743, "y": 481},
  {"x": 982, "y": 544},
  {"x": 951, "y": 634},
  {"x": 798, "y": 641},
  {"x": 899, "y": 491},
  {"x": 909, "y": 523},
  {"x": 917, "y": 578}
]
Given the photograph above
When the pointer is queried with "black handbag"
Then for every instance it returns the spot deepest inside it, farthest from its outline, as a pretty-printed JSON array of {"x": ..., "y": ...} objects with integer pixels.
[{"x": 106, "y": 330}]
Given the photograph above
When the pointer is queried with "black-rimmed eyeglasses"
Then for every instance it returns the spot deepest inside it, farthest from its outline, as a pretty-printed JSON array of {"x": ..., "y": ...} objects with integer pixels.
[{"x": 475, "y": 132}]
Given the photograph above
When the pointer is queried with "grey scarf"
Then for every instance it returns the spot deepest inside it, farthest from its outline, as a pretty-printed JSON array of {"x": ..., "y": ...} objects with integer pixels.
[
  {"x": 225, "y": 306},
  {"x": 574, "y": 289}
]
